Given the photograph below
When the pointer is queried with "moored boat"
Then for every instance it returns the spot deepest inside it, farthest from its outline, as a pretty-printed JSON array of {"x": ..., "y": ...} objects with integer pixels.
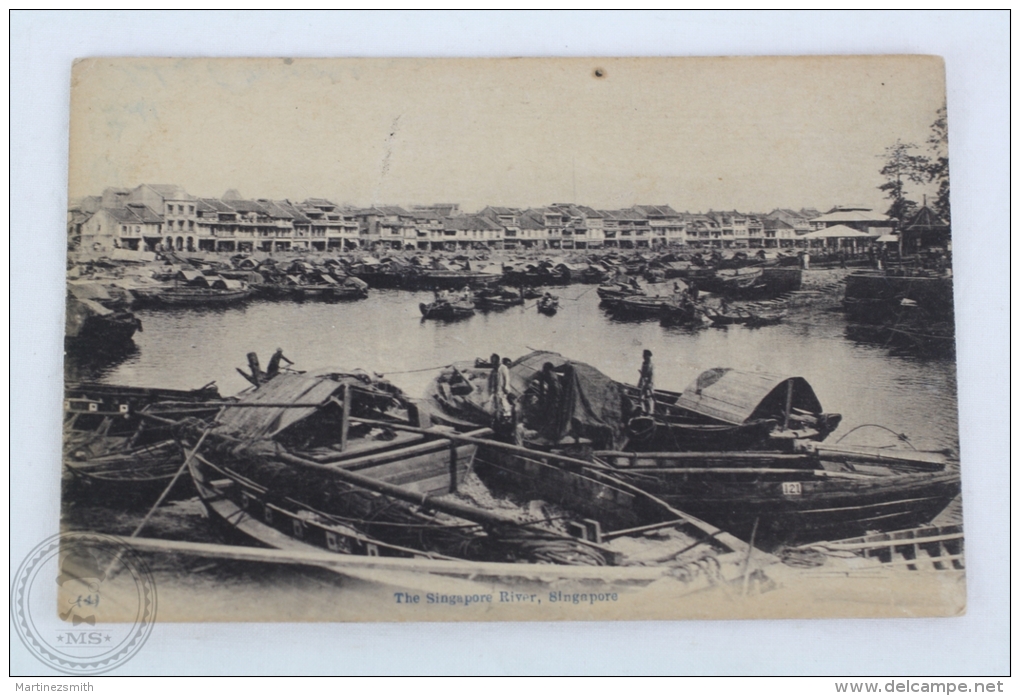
[
  {"x": 724, "y": 396},
  {"x": 231, "y": 293},
  {"x": 447, "y": 309},
  {"x": 611, "y": 292},
  {"x": 798, "y": 505},
  {"x": 498, "y": 298},
  {"x": 336, "y": 461},
  {"x": 744, "y": 317},
  {"x": 129, "y": 476},
  {"x": 88, "y": 324},
  {"x": 548, "y": 304}
]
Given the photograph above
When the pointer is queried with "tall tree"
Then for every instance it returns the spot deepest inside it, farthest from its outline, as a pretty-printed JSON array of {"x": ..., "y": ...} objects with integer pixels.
[
  {"x": 937, "y": 169},
  {"x": 902, "y": 164}
]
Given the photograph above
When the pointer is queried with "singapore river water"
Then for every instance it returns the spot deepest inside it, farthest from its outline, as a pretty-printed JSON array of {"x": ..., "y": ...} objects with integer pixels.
[
  {"x": 188, "y": 348},
  {"x": 867, "y": 383}
]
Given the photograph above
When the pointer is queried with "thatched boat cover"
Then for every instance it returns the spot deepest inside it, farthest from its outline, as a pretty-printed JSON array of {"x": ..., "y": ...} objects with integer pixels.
[
  {"x": 315, "y": 388},
  {"x": 735, "y": 396},
  {"x": 79, "y": 312}
]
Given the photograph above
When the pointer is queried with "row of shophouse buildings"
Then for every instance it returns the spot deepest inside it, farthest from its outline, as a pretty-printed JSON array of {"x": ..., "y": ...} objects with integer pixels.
[{"x": 154, "y": 217}]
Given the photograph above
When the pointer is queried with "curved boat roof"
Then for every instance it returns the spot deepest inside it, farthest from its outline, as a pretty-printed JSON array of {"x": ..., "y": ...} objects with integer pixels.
[{"x": 735, "y": 396}]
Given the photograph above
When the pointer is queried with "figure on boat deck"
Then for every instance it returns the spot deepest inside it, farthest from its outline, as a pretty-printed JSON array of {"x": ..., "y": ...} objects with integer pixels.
[
  {"x": 273, "y": 368},
  {"x": 646, "y": 384},
  {"x": 502, "y": 393}
]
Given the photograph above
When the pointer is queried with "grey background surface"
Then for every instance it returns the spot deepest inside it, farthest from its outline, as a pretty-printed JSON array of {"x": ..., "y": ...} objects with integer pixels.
[{"x": 976, "y": 49}]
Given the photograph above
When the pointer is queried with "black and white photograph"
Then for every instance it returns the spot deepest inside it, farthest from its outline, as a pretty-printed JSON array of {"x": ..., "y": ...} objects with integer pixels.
[
  {"x": 256, "y": 431},
  {"x": 515, "y": 340}
]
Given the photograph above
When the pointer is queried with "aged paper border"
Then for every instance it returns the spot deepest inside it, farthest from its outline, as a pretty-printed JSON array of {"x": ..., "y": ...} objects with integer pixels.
[{"x": 972, "y": 45}]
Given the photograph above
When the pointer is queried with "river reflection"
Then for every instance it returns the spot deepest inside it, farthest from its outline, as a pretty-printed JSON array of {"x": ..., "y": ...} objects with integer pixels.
[{"x": 187, "y": 348}]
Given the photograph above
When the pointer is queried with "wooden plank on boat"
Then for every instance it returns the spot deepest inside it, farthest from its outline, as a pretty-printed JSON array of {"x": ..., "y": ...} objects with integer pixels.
[
  {"x": 346, "y": 563},
  {"x": 345, "y": 424},
  {"x": 363, "y": 446},
  {"x": 382, "y": 455},
  {"x": 818, "y": 473}
]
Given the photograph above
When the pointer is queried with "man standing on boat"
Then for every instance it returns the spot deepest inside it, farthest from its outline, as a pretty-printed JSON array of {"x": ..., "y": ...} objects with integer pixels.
[
  {"x": 646, "y": 386},
  {"x": 502, "y": 390},
  {"x": 493, "y": 382}
]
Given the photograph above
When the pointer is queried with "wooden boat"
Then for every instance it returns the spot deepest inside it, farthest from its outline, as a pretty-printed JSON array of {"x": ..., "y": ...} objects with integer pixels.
[
  {"x": 612, "y": 292},
  {"x": 549, "y": 305},
  {"x": 90, "y": 325},
  {"x": 753, "y": 282},
  {"x": 724, "y": 396},
  {"x": 573, "y": 400},
  {"x": 129, "y": 476},
  {"x": 498, "y": 298},
  {"x": 438, "y": 279},
  {"x": 640, "y": 305},
  {"x": 594, "y": 274},
  {"x": 797, "y": 505},
  {"x": 89, "y": 406},
  {"x": 743, "y": 317},
  {"x": 682, "y": 312},
  {"x": 115, "y": 450},
  {"x": 328, "y": 288},
  {"x": 670, "y": 432},
  {"x": 334, "y": 461},
  {"x": 447, "y": 309},
  {"x": 191, "y": 296}
]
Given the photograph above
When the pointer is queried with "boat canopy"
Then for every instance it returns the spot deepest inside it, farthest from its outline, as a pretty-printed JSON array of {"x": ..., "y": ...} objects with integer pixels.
[
  {"x": 191, "y": 277},
  {"x": 78, "y": 312},
  {"x": 286, "y": 389},
  {"x": 591, "y": 405},
  {"x": 735, "y": 396},
  {"x": 88, "y": 290},
  {"x": 226, "y": 283}
]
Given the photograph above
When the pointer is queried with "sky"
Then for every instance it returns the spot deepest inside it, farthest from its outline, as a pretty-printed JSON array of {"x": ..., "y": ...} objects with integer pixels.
[{"x": 750, "y": 134}]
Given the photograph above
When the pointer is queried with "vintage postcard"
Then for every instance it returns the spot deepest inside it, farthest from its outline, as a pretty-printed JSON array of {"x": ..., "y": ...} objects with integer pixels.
[{"x": 494, "y": 339}]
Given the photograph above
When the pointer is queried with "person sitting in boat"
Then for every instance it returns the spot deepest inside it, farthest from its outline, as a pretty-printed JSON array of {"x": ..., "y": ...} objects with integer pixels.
[
  {"x": 646, "y": 386},
  {"x": 634, "y": 284},
  {"x": 692, "y": 288}
]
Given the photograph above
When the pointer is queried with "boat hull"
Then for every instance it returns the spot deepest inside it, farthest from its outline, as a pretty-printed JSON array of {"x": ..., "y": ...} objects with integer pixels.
[
  {"x": 339, "y": 517},
  {"x": 201, "y": 296},
  {"x": 130, "y": 479},
  {"x": 445, "y": 310},
  {"x": 800, "y": 506}
]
